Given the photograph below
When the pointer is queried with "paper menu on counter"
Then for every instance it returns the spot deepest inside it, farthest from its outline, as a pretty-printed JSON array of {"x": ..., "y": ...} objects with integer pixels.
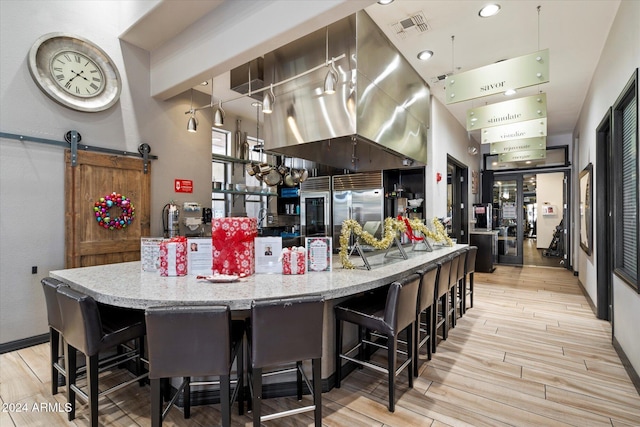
[
  {"x": 268, "y": 250},
  {"x": 199, "y": 256},
  {"x": 319, "y": 253},
  {"x": 150, "y": 253}
]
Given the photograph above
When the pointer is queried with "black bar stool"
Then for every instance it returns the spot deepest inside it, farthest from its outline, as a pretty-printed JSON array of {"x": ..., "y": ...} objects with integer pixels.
[
  {"x": 470, "y": 268},
  {"x": 388, "y": 317},
  {"x": 50, "y": 287},
  {"x": 442, "y": 297},
  {"x": 283, "y": 331},
  {"x": 194, "y": 341},
  {"x": 426, "y": 305},
  {"x": 83, "y": 331},
  {"x": 450, "y": 310},
  {"x": 458, "y": 296}
]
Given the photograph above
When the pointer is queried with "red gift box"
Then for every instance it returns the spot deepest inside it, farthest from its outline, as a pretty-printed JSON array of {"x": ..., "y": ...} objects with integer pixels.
[
  {"x": 173, "y": 257},
  {"x": 233, "y": 247},
  {"x": 293, "y": 261}
]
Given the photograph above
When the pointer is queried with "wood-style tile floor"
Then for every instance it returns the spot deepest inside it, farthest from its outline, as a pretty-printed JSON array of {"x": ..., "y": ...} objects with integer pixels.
[{"x": 529, "y": 353}]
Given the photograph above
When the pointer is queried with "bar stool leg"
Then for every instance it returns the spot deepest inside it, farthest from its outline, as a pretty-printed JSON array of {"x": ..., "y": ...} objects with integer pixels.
[
  {"x": 412, "y": 363},
  {"x": 471, "y": 288},
  {"x": 225, "y": 397},
  {"x": 299, "y": 379},
  {"x": 54, "y": 344},
  {"x": 70, "y": 362},
  {"x": 186, "y": 396},
  {"x": 257, "y": 395},
  {"x": 156, "y": 402},
  {"x": 240, "y": 375},
  {"x": 338, "y": 350},
  {"x": 316, "y": 367},
  {"x": 92, "y": 383},
  {"x": 392, "y": 347}
]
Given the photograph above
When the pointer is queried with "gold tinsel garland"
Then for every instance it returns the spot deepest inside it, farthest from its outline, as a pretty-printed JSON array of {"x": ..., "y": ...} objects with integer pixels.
[{"x": 391, "y": 227}]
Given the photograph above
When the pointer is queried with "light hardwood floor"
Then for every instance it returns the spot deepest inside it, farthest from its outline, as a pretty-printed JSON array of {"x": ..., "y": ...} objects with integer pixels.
[{"x": 529, "y": 353}]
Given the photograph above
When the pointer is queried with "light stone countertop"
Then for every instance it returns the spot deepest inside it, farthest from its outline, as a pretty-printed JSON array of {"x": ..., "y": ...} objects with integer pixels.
[{"x": 126, "y": 285}]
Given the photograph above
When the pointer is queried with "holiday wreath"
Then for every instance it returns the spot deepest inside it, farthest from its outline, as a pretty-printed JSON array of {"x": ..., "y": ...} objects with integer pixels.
[
  {"x": 102, "y": 211},
  {"x": 391, "y": 227}
]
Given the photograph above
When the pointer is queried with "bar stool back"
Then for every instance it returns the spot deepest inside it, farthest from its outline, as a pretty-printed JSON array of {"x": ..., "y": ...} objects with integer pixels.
[
  {"x": 83, "y": 331},
  {"x": 194, "y": 341},
  {"x": 50, "y": 287},
  {"x": 470, "y": 268},
  {"x": 388, "y": 318},
  {"x": 459, "y": 295},
  {"x": 426, "y": 303},
  {"x": 441, "y": 319},
  {"x": 283, "y": 331}
]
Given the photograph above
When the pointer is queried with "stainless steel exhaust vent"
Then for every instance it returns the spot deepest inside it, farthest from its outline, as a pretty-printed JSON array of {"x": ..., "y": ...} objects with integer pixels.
[{"x": 239, "y": 80}]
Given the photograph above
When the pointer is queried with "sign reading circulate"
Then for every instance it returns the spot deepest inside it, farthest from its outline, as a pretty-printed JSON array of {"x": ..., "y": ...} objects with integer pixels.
[
  {"x": 523, "y": 71},
  {"x": 183, "y": 185},
  {"x": 507, "y": 112},
  {"x": 520, "y": 130}
]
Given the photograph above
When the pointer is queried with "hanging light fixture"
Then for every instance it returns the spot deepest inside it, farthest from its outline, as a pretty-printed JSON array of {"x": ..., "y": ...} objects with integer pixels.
[
  {"x": 192, "y": 124},
  {"x": 218, "y": 116},
  {"x": 268, "y": 100},
  {"x": 331, "y": 80}
]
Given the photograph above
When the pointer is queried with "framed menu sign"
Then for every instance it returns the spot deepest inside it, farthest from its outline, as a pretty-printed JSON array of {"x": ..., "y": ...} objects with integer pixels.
[
  {"x": 319, "y": 252},
  {"x": 268, "y": 251}
]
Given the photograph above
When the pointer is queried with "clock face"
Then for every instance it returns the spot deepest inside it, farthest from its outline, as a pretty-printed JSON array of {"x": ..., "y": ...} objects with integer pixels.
[
  {"x": 74, "y": 72},
  {"x": 77, "y": 74}
]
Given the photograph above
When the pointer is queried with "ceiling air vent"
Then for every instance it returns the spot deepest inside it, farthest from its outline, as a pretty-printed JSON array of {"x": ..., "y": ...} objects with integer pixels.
[{"x": 410, "y": 26}]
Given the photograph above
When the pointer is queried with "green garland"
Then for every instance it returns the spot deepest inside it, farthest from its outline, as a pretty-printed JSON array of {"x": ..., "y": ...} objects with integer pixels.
[{"x": 391, "y": 228}]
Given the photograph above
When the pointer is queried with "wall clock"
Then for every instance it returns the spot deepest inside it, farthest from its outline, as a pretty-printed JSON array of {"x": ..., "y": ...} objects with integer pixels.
[{"x": 74, "y": 72}]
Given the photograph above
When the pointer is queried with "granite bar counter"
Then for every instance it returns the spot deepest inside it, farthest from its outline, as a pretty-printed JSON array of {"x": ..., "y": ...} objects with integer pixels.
[{"x": 125, "y": 285}]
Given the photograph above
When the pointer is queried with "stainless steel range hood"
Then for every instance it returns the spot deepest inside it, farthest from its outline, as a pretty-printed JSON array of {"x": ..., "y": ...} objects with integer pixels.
[{"x": 378, "y": 116}]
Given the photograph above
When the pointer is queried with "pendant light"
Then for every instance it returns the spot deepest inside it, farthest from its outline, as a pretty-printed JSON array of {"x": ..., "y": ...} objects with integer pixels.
[
  {"x": 268, "y": 100},
  {"x": 218, "y": 116},
  {"x": 192, "y": 124},
  {"x": 331, "y": 80}
]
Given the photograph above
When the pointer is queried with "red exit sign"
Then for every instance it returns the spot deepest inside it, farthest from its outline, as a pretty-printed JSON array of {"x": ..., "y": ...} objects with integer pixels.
[{"x": 183, "y": 186}]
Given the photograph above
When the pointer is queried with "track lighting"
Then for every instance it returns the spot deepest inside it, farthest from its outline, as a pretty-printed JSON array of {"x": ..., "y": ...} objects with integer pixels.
[
  {"x": 331, "y": 80},
  {"x": 268, "y": 100},
  {"x": 218, "y": 116},
  {"x": 192, "y": 125}
]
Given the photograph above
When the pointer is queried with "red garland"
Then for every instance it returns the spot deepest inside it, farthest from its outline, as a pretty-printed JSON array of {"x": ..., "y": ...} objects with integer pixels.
[{"x": 409, "y": 231}]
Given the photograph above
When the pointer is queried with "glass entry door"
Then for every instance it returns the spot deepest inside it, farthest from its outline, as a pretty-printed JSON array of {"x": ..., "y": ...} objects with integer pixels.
[{"x": 508, "y": 216}]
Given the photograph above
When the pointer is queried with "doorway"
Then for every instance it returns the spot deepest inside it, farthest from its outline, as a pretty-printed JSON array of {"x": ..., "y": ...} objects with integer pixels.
[
  {"x": 604, "y": 263},
  {"x": 457, "y": 225},
  {"x": 529, "y": 214}
]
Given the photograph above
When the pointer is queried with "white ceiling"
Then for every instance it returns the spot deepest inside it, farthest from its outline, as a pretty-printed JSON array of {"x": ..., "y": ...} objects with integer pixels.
[{"x": 573, "y": 31}]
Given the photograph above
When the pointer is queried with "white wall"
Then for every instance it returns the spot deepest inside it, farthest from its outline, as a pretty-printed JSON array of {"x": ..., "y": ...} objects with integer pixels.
[
  {"x": 32, "y": 174},
  {"x": 447, "y": 137},
  {"x": 549, "y": 189},
  {"x": 620, "y": 56}
]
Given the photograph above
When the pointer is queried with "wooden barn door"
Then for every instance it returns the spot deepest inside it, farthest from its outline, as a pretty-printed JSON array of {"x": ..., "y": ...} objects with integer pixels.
[{"x": 95, "y": 176}]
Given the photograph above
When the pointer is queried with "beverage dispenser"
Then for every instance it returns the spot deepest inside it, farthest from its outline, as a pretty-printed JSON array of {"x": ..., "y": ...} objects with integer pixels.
[{"x": 171, "y": 220}]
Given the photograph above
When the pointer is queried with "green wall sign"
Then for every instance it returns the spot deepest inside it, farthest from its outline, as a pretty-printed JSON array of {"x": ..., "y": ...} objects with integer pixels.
[
  {"x": 515, "y": 145},
  {"x": 504, "y": 113},
  {"x": 522, "y": 156},
  {"x": 520, "y": 130},
  {"x": 523, "y": 71}
]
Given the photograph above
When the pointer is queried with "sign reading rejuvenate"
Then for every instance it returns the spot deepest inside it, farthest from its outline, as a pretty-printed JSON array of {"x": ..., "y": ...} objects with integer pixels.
[
  {"x": 521, "y": 130},
  {"x": 522, "y": 156},
  {"x": 524, "y": 71},
  {"x": 515, "y": 145},
  {"x": 507, "y": 112}
]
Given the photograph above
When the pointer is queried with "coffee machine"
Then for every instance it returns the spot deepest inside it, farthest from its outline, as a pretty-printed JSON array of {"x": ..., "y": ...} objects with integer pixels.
[{"x": 483, "y": 214}]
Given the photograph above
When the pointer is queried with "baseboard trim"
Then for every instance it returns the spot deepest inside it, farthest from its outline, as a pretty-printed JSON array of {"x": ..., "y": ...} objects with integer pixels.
[
  {"x": 594, "y": 309},
  {"x": 635, "y": 378},
  {"x": 23, "y": 343}
]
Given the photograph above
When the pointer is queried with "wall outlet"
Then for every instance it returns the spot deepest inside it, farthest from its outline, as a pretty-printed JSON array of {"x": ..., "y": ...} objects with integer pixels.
[{"x": 34, "y": 269}]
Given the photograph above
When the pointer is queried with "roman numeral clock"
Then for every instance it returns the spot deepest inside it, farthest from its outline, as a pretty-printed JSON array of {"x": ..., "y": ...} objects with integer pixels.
[{"x": 74, "y": 72}]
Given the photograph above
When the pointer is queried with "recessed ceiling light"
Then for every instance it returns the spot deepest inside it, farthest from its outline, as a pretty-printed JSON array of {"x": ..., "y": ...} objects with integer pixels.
[
  {"x": 489, "y": 10},
  {"x": 256, "y": 104},
  {"x": 509, "y": 92},
  {"x": 425, "y": 54},
  {"x": 385, "y": 2},
  {"x": 204, "y": 83}
]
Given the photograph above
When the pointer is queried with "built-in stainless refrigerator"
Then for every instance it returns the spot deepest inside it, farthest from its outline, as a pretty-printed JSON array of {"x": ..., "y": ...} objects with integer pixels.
[
  {"x": 315, "y": 207},
  {"x": 358, "y": 196}
]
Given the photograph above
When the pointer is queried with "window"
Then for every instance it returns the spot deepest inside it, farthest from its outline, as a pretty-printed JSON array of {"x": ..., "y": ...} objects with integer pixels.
[
  {"x": 625, "y": 152},
  {"x": 220, "y": 144}
]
